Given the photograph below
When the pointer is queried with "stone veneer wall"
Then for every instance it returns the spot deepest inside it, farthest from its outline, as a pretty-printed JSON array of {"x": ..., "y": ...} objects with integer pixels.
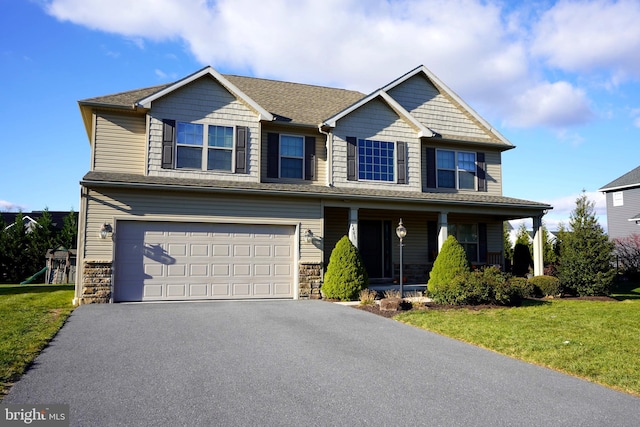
[
  {"x": 413, "y": 273},
  {"x": 96, "y": 282},
  {"x": 310, "y": 280}
]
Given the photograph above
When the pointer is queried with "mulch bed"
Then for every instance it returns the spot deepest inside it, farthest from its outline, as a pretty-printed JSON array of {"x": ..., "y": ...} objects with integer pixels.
[{"x": 375, "y": 308}]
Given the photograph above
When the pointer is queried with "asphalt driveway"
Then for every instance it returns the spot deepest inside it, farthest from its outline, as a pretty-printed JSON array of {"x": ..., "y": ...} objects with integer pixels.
[{"x": 297, "y": 363}]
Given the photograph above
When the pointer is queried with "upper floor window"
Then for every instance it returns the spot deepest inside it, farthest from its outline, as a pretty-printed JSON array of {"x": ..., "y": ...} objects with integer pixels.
[
  {"x": 191, "y": 154},
  {"x": 291, "y": 156},
  {"x": 456, "y": 169},
  {"x": 376, "y": 160}
]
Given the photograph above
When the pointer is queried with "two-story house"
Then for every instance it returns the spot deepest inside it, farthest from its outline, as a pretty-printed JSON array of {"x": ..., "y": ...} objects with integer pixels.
[
  {"x": 623, "y": 205},
  {"x": 220, "y": 186}
]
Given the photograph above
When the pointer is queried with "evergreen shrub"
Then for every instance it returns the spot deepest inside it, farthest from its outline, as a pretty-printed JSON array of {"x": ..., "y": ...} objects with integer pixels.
[
  {"x": 545, "y": 286},
  {"x": 346, "y": 275},
  {"x": 450, "y": 262}
]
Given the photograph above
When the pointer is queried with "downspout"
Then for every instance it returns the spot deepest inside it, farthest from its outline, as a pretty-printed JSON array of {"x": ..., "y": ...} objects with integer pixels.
[{"x": 329, "y": 148}]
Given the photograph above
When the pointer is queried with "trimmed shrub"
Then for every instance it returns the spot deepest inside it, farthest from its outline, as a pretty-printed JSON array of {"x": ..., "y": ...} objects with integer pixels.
[
  {"x": 488, "y": 286},
  {"x": 450, "y": 262},
  {"x": 346, "y": 275},
  {"x": 546, "y": 286}
]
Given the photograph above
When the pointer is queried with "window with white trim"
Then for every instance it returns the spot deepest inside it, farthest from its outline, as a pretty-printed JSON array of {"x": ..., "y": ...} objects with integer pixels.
[
  {"x": 291, "y": 156},
  {"x": 191, "y": 154},
  {"x": 456, "y": 169},
  {"x": 467, "y": 236},
  {"x": 376, "y": 160}
]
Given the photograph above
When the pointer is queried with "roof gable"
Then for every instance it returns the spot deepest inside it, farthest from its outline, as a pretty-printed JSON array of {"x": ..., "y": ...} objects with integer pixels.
[
  {"x": 628, "y": 180},
  {"x": 386, "y": 92}
]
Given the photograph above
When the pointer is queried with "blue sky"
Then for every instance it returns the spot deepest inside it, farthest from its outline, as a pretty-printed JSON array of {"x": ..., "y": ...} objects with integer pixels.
[{"x": 560, "y": 79}]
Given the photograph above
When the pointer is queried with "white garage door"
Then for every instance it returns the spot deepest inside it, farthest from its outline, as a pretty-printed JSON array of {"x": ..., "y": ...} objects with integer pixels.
[{"x": 185, "y": 261}]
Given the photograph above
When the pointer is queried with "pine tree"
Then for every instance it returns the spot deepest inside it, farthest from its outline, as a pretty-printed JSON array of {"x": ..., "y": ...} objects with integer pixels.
[
  {"x": 585, "y": 253},
  {"x": 3, "y": 250},
  {"x": 508, "y": 247},
  {"x": 346, "y": 275},
  {"x": 68, "y": 235},
  {"x": 17, "y": 243}
]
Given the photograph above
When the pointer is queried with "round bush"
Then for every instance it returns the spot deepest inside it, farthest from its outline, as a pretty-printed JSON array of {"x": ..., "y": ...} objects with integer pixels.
[
  {"x": 450, "y": 262},
  {"x": 346, "y": 275},
  {"x": 546, "y": 286}
]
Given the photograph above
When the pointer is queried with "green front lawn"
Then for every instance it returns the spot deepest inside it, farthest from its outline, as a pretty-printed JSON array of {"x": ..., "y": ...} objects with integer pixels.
[
  {"x": 30, "y": 316},
  {"x": 595, "y": 340}
]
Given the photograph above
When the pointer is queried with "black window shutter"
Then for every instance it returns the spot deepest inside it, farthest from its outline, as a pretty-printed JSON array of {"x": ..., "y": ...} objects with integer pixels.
[
  {"x": 431, "y": 167},
  {"x": 402, "y": 162},
  {"x": 482, "y": 242},
  {"x": 310, "y": 158},
  {"x": 273, "y": 155},
  {"x": 168, "y": 138},
  {"x": 432, "y": 240},
  {"x": 241, "y": 149},
  {"x": 481, "y": 172},
  {"x": 352, "y": 145}
]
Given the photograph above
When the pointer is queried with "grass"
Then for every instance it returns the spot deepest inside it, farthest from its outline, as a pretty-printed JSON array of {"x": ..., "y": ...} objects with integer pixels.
[
  {"x": 595, "y": 340},
  {"x": 30, "y": 316}
]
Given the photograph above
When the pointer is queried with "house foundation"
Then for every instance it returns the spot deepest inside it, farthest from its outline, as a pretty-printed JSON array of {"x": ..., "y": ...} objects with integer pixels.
[
  {"x": 310, "y": 274},
  {"x": 96, "y": 282}
]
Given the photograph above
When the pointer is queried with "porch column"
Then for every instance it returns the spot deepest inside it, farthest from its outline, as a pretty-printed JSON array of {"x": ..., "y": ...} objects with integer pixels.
[
  {"x": 538, "y": 247},
  {"x": 353, "y": 226},
  {"x": 443, "y": 229}
]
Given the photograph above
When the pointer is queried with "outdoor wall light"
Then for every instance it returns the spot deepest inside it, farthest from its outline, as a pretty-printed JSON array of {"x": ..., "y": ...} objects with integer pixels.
[
  {"x": 105, "y": 230},
  {"x": 308, "y": 236}
]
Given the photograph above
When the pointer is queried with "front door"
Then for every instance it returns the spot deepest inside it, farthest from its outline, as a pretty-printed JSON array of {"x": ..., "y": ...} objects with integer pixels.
[{"x": 374, "y": 244}]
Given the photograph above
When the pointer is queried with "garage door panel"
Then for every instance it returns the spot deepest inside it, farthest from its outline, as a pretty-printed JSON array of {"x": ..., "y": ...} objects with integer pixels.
[{"x": 181, "y": 261}]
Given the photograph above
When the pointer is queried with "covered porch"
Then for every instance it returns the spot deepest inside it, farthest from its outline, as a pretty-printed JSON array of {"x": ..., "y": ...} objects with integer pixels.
[{"x": 372, "y": 229}]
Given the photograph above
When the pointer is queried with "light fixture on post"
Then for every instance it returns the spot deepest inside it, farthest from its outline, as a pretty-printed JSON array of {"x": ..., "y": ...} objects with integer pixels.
[
  {"x": 105, "y": 230},
  {"x": 401, "y": 231},
  {"x": 308, "y": 236}
]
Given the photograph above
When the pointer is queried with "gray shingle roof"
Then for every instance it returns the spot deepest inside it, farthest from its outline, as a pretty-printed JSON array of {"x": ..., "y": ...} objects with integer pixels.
[
  {"x": 301, "y": 190},
  {"x": 629, "y": 179},
  {"x": 291, "y": 102}
]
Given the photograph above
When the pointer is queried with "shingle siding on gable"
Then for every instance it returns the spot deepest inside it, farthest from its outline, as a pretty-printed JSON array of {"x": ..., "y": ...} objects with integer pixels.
[
  {"x": 618, "y": 224},
  {"x": 435, "y": 111},
  {"x": 203, "y": 101},
  {"x": 376, "y": 121},
  {"x": 120, "y": 143}
]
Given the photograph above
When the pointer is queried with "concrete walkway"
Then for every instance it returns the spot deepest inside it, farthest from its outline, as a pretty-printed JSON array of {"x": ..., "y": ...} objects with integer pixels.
[{"x": 294, "y": 363}]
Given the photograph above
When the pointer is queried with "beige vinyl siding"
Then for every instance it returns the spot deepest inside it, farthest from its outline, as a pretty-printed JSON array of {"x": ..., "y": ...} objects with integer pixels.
[
  {"x": 337, "y": 226},
  {"x": 119, "y": 143},
  {"x": 321, "y": 153},
  {"x": 204, "y": 101},
  {"x": 376, "y": 121},
  {"x": 198, "y": 207},
  {"x": 493, "y": 167},
  {"x": 437, "y": 111}
]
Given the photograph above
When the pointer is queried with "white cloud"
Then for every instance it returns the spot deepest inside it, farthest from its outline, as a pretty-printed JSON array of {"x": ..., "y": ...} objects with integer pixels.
[
  {"x": 6, "y": 206},
  {"x": 563, "y": 206},
  {"x": 556, "y": 104},
  {"x": 481, "y": 49},
  {"x": 591, "y": 36}
]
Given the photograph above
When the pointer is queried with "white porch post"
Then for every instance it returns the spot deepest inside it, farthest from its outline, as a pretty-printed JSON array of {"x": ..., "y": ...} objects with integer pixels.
[
  {"x": 538, "y": 247},
  {"x": 443, "y": 229},
  {"x": 353, "y": 226}
]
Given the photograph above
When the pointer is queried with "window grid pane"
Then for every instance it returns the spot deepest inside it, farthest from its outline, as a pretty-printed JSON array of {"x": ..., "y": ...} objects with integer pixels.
[
  {"x": 221, "y": 137},
  {"x": 189, "y": 157},
  {"x": 291, "y": 168},
  {"x": 376, "y": 160},
  {"x": 189, "y": 133}
]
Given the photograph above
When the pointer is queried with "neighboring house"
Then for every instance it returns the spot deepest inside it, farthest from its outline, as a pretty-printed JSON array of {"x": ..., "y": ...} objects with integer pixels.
[
  {"x": 31, "y": 219},
  {"x": 227, "y": 187},
  {"x": 623, "y": 205}
]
